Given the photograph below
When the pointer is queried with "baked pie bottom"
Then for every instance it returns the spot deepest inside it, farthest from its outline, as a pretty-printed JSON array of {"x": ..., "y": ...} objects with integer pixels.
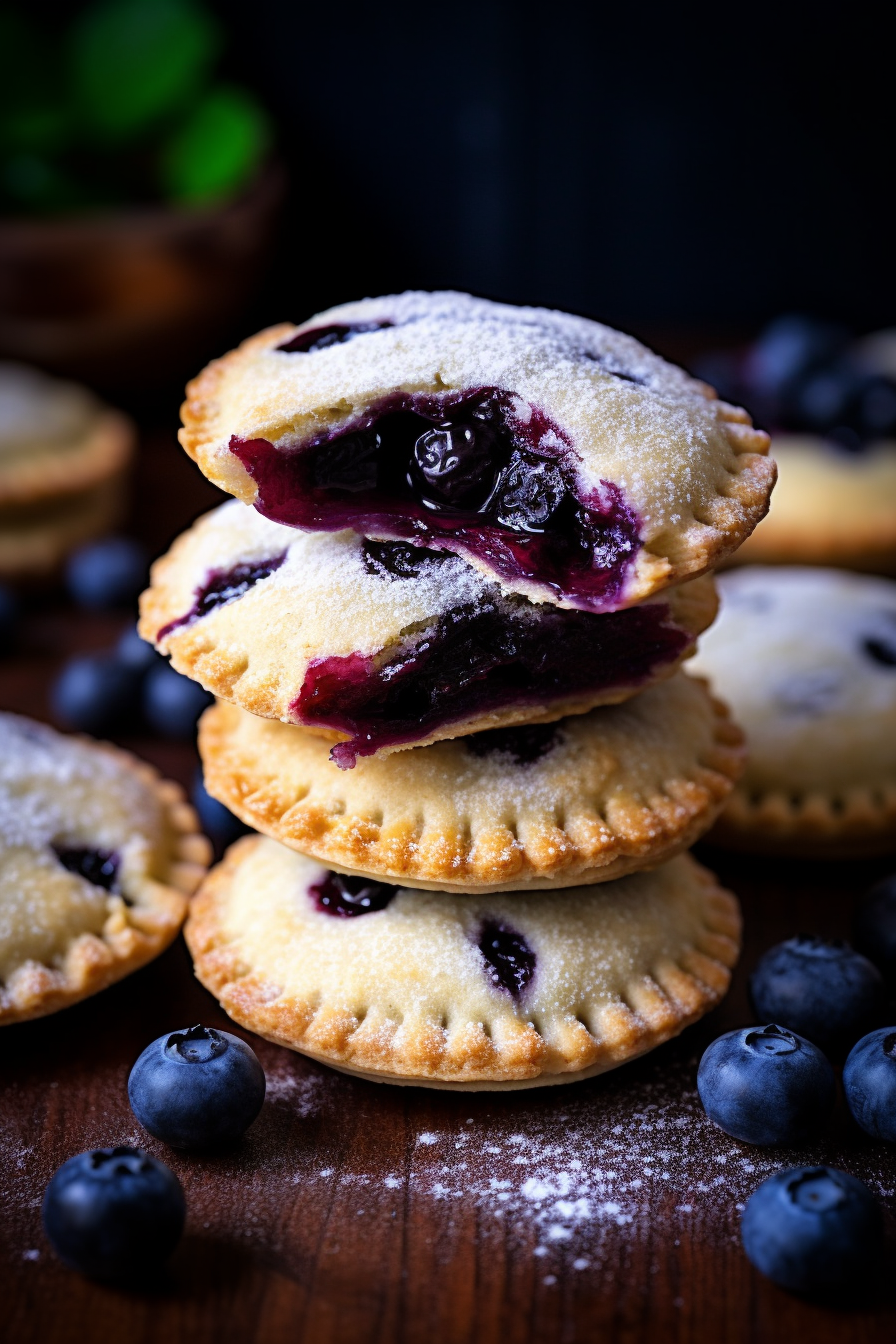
[{"x": 440, "y": 989}]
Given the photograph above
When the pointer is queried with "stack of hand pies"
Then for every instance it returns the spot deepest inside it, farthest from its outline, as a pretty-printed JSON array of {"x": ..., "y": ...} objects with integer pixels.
[{"x": 443, "y": 617}]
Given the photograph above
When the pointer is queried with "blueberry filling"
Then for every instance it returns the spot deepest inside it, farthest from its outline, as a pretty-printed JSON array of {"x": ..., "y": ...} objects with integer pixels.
[
  {"x": 614, "y": 373},
  {"x": 510, "y": 959},
  {"x": 880, "y": 651},
  {"x": 346, "y": 897},
  {"x": 223, "y": 586},
  {"x": 478, "y": 658},
  {"x": 480, "y": 472},
  {"x": 398, "y": 559},
  {"x": 523, "y": 745},
  {"x": 322, "y": 338},
  {"x": 97, "y": 866}
]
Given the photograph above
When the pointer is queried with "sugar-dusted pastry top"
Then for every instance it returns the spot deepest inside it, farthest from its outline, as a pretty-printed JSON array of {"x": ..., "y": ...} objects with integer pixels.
[
  {"x": 384, "y": 645},
  {"x": 55, "y": 437},
  {"x": 830, "y": 506},
  {"x": 430, "y": 987},
  {"x": 96, "y": 854},
  {"x": 545, "y": 805},
  {"x": 555, "y": 453}
]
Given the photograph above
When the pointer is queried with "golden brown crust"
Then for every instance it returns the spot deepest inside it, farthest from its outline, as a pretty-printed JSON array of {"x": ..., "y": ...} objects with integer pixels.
[
  {"x": 609, "y": 807},
  {"x": 132, "y": 934},
  {"x": 860, "y": 823},
  {"x": 656, "y": 1005},
  {"x": 105, "y": 452}
]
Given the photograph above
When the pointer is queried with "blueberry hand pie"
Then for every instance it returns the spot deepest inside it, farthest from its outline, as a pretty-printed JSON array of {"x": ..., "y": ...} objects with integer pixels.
[
  {"x": 438, "y": 989},
  {"x": 382, "y": 645},
  {"x": 561, "y": 458},
  {"x": 97, "y": 858},
  {"x": 807, "y": 660},
  {"x": 573, "y": 802}
]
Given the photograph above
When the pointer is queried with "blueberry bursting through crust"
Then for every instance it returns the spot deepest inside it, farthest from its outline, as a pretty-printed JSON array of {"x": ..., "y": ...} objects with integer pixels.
[{"x": 478, "y": 472}]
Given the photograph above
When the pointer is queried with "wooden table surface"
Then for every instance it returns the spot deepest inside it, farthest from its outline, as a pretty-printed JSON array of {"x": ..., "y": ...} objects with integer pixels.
[{"x": 355, "y": 1212}]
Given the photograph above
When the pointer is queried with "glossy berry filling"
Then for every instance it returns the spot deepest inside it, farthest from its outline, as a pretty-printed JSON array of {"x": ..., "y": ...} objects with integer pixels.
[
  {"x": 223, "y": 586},
  {"x": 322, "y": 338},
  {"x": 97, "y": 866},
  {"x": 510, "y": 959},
  {"x": 523, "y": 745},
  {"x": 476, "y": 659},
  {"x": 346, "y": 897},
  {"x": 481, "y": 473}
]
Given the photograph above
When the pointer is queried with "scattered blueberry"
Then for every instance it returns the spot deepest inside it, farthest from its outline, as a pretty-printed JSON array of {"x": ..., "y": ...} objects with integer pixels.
[
  {"x": 114, "y": 1213},
  {"x": 9, "y": 610},
  {"x": 218, "y": 822},
  {"x": 172, "y": 703},
  {"x": 789, "y": 348},
  {"x": 874, "y": 926},
  {"x": 766, "y": 1085},
  {"x": 823, "y": 991},
  {"x": 197, "y": 1088},
  {"x": 107, "y": 573},
  {"x": 95, "y": 693},
  {"x": 814, "y": 1230},
  {"x": 135, "y": 652},
  {"x": 869, "y": 1083}
]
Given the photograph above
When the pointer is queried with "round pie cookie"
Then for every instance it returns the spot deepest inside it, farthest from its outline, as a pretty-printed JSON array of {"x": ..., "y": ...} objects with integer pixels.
[
  {"x": 56, "y": 439},
  {"x": 559, "y": 456},
  {"x": 384, "y": 645},
  {"x": 830, "y": 507},
  {"x": 438, "y": 989},
  {"x": 807, "y": 660},
  {"x": 97, "y": 858},
  {"x": 552, "y": 805}
]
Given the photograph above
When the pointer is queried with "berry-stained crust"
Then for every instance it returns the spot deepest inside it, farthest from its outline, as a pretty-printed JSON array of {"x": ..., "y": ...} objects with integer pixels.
[
  {"x": 480, "y": 472},
  {"x": 347, "y": 897},
  {"x": 477, "y": 658}
]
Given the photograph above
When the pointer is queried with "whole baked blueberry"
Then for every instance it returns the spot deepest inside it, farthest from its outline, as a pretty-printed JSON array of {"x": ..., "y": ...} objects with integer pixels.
[
  {"x": 197, "y": 1088},
  {"x": 814, "y": 1230},
  {"x": 869, "y": 1083},
  {"x": 107, "y": 573},
  {"x": 218, "y": 822},
  {"x": 114, "y": 1213},
  {"x": 9, "y": 611},
  {"x": 823, "y": 991},
  {"x": 95, "y": 693},
  {"x": 456, "y": 463},
  {"x": 874, "y": 926},
  {"x": 172, "y": 703},
  {"x": 766, "y": 1085}
]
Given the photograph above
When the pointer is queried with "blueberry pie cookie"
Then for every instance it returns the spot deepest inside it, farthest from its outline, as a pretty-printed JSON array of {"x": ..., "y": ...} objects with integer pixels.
[
  {"x": 561, "y": 458},
  {"x": 807, "y": 660},
  {"x": 439, "y": 989},
  {"x": 384, "y": 645},
  {"x": 830, "y": 507},
  {"x": 578, "y": 801},
  {"x": 97, "y": 858}
]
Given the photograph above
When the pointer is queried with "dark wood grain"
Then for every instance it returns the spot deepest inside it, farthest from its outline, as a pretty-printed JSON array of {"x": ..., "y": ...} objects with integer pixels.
[{"x": 368, "y": 1214}]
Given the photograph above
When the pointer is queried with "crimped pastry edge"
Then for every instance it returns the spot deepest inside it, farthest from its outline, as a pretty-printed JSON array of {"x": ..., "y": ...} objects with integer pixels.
[
  {"x": 105, "y": 452},
  {"x": 638, "y": 836},
  {"x": 131, "y": 935},
  {"x": 727, "y": 522},
  {"x": 860, "y": 823},
  {"x": 672, "y": 997}
]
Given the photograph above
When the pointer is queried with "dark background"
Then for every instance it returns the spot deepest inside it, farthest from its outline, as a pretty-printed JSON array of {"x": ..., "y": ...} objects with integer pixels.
[{"x": 652, "y": 166}]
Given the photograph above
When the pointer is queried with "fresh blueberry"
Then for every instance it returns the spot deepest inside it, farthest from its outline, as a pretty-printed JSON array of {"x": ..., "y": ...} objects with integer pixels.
[
  {"x": 197, "y": 1088},
  {"x": 95, "y": 693},
  {"x": 172, "y": 703},
  {"x": 9, "y": 610},
  {"x": 136, "y": 653},
  {"x": 107, "y": 573},
  {"x": 789, "y": 348},
  {"x": 814, "y": 1230},
  {"x": 218, "y": 822},
  {"x": 869, "y": 1083},
  {"x": 114, "y": 1213},
  {"x": 874, "y": 926},
  {"x": 823, "y": 991},
  {"x": 766, "y": 1085}
]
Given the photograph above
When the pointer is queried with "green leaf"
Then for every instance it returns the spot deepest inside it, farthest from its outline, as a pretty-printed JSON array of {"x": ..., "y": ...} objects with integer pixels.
[
  {"x": 216, "y": 149},
  {"x": 132, "y": 62}
]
